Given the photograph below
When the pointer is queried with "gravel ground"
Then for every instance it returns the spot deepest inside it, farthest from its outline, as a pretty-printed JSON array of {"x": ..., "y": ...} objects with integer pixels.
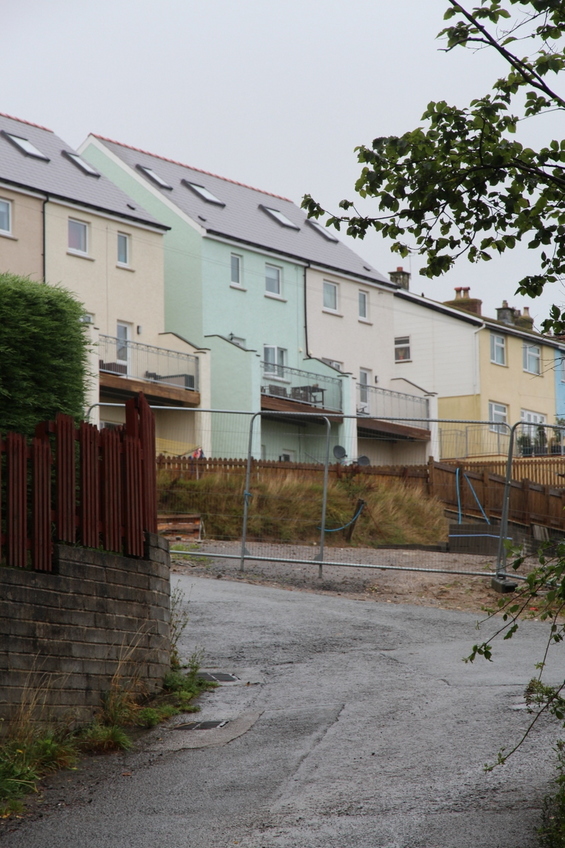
[{"x": 449, "y": 590}]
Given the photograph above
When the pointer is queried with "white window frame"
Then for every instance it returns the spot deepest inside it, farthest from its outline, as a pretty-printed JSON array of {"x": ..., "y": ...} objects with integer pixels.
[
  {"x": 530, "y": 421},
  {"x": 274, "y": 363},
  {"x": 237, "y": 260},
  {"x": 124, "y": 263},
  {"x": 365, "y": 379},
  {"x": 402, "y": 343},
  {"x": 531, "y": 358},
  {"x": 497, "y": 415},
  {"x": 334, "y": 363},
  {"x": 85, "y": 228},
  {"x": 363, "y": 304},
  {"x": 7, "y": 231},
  {"x": 121, "y": 341},
  {"x": 497, "y": 349},
  {"x": 277, "y": 292},
  {"x": 330, "y": 294}
]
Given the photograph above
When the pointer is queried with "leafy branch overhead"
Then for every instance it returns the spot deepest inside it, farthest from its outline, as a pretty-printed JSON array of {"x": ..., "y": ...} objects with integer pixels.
[{"x": 463, "y": 184}]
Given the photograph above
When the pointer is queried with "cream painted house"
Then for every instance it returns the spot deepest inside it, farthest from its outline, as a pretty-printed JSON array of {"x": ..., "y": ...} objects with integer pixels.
[
  {"x": 350, "y": 323},
  {"x": 498, "y": 371},
  {"x": 64, "y": 223}
]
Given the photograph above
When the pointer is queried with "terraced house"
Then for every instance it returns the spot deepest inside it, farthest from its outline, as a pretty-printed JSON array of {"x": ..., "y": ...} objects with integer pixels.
[
  {"x": 63, "y": 222},
  {"x": 293, "y": 319},
  {"x": 497, "y": 370}
]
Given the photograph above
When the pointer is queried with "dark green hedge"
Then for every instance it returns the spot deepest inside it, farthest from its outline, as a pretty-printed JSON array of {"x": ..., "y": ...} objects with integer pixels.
[{"x": 43, "y": 354}]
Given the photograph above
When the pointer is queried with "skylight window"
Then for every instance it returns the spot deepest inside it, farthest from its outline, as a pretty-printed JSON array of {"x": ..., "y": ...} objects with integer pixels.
[
  {"x": 327, "y": 234},
  {"x": 280, "y": 218},
  {"x": 155, "y": 178},
  {"x": 203, "y": 192},
  {"x": 25, "y": 146},
  {"x": 80, "y": 163}
]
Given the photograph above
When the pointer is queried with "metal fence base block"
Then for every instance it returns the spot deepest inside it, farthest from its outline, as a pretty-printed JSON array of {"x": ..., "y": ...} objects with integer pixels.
[{"x": 502, "y": 585}]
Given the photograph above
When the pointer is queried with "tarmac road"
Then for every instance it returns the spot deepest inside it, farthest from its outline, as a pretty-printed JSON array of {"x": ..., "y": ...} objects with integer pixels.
[{"x": 350, "y": 724}]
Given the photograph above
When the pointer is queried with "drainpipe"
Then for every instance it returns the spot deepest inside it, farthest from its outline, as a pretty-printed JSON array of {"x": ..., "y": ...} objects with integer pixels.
[
  {"x": 306, "y": 348},
  {"x": 45, "y": 202}
]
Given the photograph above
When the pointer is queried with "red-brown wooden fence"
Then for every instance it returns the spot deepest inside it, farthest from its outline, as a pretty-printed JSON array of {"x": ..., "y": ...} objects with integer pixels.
[{"x": 80, "y": 486}]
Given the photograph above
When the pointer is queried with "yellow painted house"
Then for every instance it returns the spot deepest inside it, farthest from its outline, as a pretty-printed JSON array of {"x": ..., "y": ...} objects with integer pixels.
[{"x": 496, "y": 371}]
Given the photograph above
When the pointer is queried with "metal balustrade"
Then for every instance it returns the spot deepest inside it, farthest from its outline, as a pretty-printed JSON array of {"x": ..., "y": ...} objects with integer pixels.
[
  {"x": 384, "y": 403},
  {"x": 146, "y": 362},
  {"x": 301, "y": 386}
]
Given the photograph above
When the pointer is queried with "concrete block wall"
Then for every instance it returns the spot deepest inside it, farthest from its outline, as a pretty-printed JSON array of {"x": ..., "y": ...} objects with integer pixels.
[{"x": 65, "y": 635}]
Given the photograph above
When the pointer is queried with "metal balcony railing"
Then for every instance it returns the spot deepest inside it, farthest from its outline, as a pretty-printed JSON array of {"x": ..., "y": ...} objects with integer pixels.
[
  {"x": 383, "y": 403},
  {"x": 145, "y": 362},
  {"x": 301, "y": 386}
]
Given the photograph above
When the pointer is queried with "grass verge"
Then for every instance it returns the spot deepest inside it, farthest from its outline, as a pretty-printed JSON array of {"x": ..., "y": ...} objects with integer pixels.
[{"x": 286, "y": 509}]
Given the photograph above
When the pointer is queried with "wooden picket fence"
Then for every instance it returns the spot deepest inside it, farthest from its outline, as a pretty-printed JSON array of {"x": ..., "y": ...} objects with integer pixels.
[
  {"x": 459, "y": 490},
  {"x": 546, "y": 470},
  {"x": 95, "y": 488}
]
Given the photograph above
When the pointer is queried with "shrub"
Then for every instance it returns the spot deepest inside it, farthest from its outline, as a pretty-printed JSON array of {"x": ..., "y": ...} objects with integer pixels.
[{"x": 43, "y": 349}]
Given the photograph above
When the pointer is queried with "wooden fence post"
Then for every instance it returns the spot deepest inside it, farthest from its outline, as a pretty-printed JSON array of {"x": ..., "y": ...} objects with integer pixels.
[
  {"x": 65, "y": 470},
  {"x": 16, "y": 523},
  {"x": 41, "y": 539}
]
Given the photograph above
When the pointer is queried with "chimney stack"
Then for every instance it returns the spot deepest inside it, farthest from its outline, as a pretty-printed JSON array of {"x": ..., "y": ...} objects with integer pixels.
[
  {"x": 524, "y": 320},
  {"x": 462, "y": 300},
  {"x": 400, "y": 277}
]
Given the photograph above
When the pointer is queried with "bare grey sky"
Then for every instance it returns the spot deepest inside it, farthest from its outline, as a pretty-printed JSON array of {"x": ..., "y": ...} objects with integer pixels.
[{"x": 274, "y": 94}]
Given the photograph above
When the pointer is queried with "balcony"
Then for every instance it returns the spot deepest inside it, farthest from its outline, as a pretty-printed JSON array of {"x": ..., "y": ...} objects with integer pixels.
[
  {"x": 379, "y": 404},
  {"x": 284, "y": 388},
  {"x": 166, "y": 373}
]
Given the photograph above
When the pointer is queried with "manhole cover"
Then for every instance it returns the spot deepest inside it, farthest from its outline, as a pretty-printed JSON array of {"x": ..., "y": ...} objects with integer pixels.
[
  {"x": 200, "y": 725},
  {"x": 217, "y": 676}
]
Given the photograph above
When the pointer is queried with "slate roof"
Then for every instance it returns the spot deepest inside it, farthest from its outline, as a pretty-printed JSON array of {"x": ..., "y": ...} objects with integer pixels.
[
  {"x": 241, "y": 218},
  {"x": 59, "y": 177}
]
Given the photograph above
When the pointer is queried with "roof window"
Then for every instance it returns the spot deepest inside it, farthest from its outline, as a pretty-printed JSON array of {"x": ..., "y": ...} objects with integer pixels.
[
  {"x": 25, "y": 146},
  {"x": 203, "y": 192},
  {"x": 155, "y": 178},
  {"x": 80, "y": 163},
  {"x": 323, "y": 231},
  {"x": 279, "y": 217}
]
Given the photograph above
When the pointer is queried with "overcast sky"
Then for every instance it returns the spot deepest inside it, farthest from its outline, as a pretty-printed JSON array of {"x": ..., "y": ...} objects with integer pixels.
[{"x": 273, "y": 93}]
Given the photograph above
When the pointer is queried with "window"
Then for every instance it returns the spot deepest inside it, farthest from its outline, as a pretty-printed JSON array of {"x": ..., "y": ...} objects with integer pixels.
[
  {"x": 85, "y": 167},
  {"x": 236, "y": 263},
  {"x": 498, "y": 349},
  {"x": 122, "y": 348},
  {"x": 333, "y": 362},
  {"x": 364, "y": 382},
  {"x": 203, "y": 192},
  {"x": 330, "y": 296},
  {"x": 531, "y": 358},
  {"x": 78, "y": 236},
  {"x": 25, "y": 146},
  {"x": 279, "y": 217},
  {"x": 123, "y": 249},
  {"x": 274, "y": 360},
  {"x": 323, "y": 231},
  {"x": 497, "y": 415},
  {"x": 363, "y": 305},
  {"x": 5, "y": 216},
  {"x": 402, "y": 349},
  {"x": 273, "y": 279},
  {"x": 155, "y": 178}
]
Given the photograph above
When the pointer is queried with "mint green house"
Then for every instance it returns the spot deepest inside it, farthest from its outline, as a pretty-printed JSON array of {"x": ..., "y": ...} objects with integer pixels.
[{"x": 236, "y": 269}]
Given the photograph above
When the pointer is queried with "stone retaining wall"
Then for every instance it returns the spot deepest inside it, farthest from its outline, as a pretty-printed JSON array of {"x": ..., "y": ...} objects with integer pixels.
[{"x": 64, "y": 635}]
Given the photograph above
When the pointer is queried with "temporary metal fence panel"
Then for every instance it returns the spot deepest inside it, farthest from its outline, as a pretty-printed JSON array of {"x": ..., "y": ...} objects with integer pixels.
[{"x": 271, "y": 510}]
